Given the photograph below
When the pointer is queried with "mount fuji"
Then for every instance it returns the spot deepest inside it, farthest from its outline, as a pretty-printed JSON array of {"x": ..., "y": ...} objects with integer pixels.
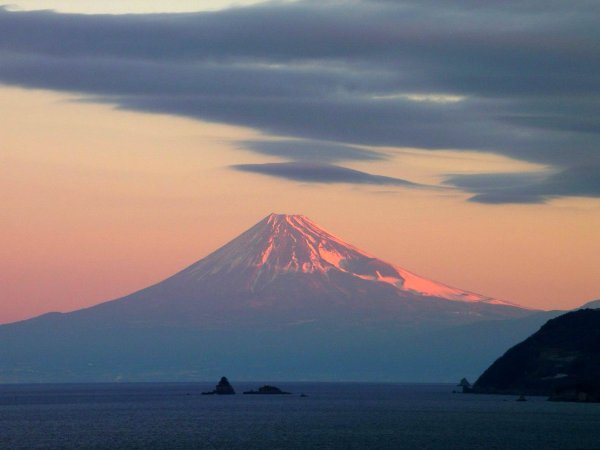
[
  {"x": 284, "y": 300},
  {"x": 285, "y": 270}
]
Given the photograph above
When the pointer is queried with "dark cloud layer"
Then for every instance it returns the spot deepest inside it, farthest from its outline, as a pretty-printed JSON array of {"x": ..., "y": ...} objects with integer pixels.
[
  {"x": 530, "y": 187},
  {"x": 322, "y": 173},
  {"x": 518, "y": 78},
  {"x": 306, "y": 150}
]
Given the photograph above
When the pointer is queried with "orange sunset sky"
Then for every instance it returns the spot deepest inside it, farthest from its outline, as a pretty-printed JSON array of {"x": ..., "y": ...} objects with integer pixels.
[{"x": 100, "y": 199}]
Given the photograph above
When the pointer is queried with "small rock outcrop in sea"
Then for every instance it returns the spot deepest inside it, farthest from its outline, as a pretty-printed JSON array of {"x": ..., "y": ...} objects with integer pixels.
[
  {"x": 222, "y": 388},
  {"x": 465, "y": 385},
  {"x": 561, "y": 360},
  {"x": 267, "y": 390}
]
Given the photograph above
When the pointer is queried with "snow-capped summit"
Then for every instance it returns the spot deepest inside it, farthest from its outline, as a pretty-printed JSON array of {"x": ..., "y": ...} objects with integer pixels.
[
  {"x": 286, "y": 269},
  {"x": 286, "y": 244}
]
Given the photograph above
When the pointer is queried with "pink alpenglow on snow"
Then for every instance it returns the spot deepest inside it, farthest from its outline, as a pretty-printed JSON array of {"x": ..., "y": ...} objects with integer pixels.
[{"x": 283, "y": 243}]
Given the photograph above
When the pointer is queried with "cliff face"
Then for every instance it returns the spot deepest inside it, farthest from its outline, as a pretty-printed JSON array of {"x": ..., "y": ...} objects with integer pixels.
[{"x": 561, "y": 360}]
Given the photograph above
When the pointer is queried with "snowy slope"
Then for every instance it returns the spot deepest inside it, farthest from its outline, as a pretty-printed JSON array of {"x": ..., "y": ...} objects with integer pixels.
[
  {"x": 286, "y": 244},
  {"x": 287, "y": 270}
]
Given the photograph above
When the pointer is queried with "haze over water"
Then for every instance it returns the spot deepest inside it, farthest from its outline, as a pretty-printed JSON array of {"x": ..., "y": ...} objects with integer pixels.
[{"x": 333, "y": 416}]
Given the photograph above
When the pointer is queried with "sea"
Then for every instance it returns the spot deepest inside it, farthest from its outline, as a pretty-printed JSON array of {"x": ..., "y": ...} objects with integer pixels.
[{"x": 328, "y": 416}]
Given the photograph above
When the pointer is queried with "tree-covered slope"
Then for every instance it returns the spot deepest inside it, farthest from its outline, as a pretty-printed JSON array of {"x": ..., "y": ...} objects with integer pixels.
[{"x": 561, "y": 360}]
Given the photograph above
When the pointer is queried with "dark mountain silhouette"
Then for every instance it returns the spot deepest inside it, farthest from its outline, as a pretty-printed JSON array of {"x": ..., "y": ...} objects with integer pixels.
[
  {"x": 284, "y": 300},
  {"x": 594, "y": 304},
  {"x": 561, "y": 360}
]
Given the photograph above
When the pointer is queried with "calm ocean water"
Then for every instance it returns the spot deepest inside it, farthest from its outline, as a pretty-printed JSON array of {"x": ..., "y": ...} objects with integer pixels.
[{"x": 333, "y": 416}]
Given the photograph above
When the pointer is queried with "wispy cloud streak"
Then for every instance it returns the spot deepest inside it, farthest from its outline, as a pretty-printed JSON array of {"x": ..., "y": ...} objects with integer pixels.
[
  {"x": 322, "y": 173},
  {"x": 581, "y": 181}
]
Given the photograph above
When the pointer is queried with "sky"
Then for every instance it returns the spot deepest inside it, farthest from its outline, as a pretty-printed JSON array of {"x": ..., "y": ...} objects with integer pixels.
[{"x": 459, "y": 140}]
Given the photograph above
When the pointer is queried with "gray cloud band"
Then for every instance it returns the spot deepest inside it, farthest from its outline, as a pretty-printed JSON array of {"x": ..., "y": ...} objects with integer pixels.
[
  {"x": 520, "y": 79},
  {"x": 581, "y": 181},
  {"x": 322, "y": 173},
  {"x": 311, "y": 151}
]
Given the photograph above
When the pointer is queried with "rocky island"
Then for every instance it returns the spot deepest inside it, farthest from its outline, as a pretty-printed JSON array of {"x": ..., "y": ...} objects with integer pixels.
[
  {"x": 561, "y": 360},
  {"x": 267, "y": 390},
  {"x": 223, "y": 387}
]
